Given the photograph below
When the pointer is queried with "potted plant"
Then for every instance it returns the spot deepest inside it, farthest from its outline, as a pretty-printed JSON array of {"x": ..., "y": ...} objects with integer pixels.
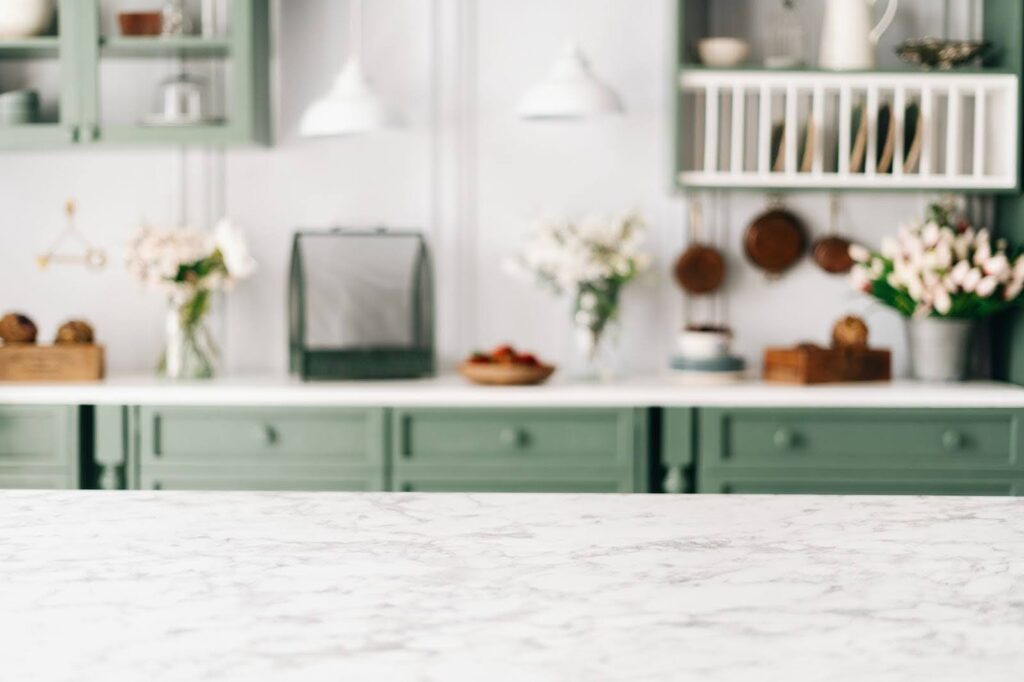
[
  {"x": 591, "y": 260},
  {"x": 942, "y": 275},
  {"x": 187, "y": 266}
]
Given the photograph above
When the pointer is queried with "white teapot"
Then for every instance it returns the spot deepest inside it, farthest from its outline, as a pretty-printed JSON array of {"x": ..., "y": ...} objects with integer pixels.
[{"x": 848, "y": 43}]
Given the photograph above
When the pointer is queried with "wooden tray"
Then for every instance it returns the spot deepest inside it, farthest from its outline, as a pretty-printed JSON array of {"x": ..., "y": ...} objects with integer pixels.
[
  {"x": 67, "y": 362},
  {"x": 812, "y": 365}
]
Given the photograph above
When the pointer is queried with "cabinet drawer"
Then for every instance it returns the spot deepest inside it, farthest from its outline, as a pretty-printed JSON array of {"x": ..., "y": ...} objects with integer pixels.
[
  {"x": 39, "y": 435},
  {"x": 856, "y": 439},
  {"x": 542, "y": 439},
  {"x": 260, "y": 437}
]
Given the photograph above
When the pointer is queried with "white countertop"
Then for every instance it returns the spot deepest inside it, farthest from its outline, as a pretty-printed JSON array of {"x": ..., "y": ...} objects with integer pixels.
[
  {"x": 452, "y": 391},
  {"x": 300, "y": 586}
]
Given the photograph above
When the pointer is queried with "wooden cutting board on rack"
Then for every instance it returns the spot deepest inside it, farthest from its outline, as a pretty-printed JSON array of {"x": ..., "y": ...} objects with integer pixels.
[{"x": 809, "y": 364}]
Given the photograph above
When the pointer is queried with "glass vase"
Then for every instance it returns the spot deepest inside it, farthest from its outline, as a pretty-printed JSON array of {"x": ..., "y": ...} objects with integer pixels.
[
  {"x": 597, "y": 331},
  {"x": 190, "y": 352},
  {"x": 598, "y": 358},
  {"x": 784, "y": 48}
]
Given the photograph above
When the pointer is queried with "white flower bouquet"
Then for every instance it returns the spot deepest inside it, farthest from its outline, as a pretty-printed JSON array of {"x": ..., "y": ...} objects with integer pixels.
[
  {"x": 941, "y": 267},
  {"x": 188, "y": 265},
  {"x": 592, "y": 260}
]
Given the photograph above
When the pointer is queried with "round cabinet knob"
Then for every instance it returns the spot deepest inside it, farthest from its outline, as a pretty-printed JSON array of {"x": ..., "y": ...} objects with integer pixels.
[
  {"x": 952, "y": 440},
  {"x": 511, "y": 437},
  {"x": 269, "y": 434},
  {"x": 784, "y": 438}
]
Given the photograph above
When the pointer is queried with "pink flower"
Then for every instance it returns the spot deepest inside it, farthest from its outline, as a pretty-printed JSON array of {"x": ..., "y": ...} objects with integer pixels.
[
  {"x": 986, "y": 287},
  {"x": 971, "y": 280}
]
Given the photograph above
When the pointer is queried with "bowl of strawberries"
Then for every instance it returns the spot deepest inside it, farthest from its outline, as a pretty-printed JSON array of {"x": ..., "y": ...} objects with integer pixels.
[{"x": 505, "y": 366}]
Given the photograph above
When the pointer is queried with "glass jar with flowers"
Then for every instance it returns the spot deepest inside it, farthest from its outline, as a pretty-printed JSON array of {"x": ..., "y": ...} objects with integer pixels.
[
  {"x": 187, "y": 266},
  {"x": 942, "y": 275},
  {"x": 591, "y": 260}
]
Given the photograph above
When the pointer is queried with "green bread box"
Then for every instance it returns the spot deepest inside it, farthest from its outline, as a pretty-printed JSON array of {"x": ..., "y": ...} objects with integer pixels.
[{"x": 361, "y": 305}]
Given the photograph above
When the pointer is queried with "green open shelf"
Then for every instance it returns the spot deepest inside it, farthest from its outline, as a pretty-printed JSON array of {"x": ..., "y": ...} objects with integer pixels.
[
  {"x": 30, "y": 48},
  {"x": 164, "y": 46}
]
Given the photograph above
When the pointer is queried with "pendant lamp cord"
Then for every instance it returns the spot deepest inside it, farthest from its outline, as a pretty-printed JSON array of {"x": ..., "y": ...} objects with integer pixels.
[{"x": 356, "y": 30}]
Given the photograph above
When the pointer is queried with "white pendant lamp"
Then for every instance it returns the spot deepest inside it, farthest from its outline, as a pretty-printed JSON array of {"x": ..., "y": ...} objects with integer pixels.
[
  {"x": 570, "y": 91},
  {"x": 350, "y": 107}
]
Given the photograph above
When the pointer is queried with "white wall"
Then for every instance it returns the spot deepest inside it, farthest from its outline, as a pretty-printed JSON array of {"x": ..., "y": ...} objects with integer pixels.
[{"x": 464, "y": 168}]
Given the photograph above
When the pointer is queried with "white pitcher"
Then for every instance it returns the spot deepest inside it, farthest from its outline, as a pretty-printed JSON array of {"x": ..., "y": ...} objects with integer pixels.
[{"x": 848, "y": 43}]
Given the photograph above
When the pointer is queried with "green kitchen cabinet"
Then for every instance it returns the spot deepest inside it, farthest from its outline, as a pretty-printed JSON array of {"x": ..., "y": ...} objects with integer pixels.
[
  {"x": 81, "y": 51},
  {"x": 519, "y": 450},
  {"x": 257, "y": 448},
  {"x": 869, "y": 451},
  {"x": 39, "y": 447}
]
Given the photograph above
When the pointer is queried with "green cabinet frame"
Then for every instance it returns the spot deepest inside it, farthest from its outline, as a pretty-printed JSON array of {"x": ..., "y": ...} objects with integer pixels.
[{"x": 81, "y": 49}]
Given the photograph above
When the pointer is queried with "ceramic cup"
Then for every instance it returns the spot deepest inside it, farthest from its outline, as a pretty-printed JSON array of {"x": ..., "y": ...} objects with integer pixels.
[{"x": 704, "y": 344}]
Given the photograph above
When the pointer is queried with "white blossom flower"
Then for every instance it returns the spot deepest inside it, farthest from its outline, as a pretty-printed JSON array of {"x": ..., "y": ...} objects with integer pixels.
[
  {"x": 859, "y": 254},
  {"x": 971, "y": 280},
  {"x": 1013, "y": 289},
  {"x": 890, "y": 247},
  {"x": 941, "y": 300},
  {"x": 234, "y": 249},
  {"x": 997, "y": 266},
  {"x": 987, "y": 286},
  {"x": 959, "y": 272}
]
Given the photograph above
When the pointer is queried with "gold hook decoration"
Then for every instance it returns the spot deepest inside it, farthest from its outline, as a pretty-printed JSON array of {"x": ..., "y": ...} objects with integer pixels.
[{"x": 90, "y": 256}]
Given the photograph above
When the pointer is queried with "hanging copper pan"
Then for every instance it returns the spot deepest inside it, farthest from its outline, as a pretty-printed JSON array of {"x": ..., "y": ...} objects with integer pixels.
[
  {"x": 775, "y": 240},
  {"x": 700, "y": 269},
  {"x": 832, "y": 252}
]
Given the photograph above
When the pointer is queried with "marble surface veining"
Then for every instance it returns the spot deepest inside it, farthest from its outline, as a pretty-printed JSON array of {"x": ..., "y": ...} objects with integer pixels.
[{"x": 292, "y": 586}]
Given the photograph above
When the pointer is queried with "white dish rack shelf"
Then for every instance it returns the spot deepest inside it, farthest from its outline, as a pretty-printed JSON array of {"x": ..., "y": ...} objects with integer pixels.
[{"x": 825, "y": 130}]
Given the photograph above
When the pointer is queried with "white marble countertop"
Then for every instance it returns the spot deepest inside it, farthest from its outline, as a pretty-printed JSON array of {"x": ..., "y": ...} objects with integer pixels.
[
  {"x": 453, "y": 391},
  {"x": 293, "y": 586}
]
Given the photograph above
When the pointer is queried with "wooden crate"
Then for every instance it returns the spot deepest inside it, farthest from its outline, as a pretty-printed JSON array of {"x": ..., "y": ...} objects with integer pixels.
[
  {"x": 68, "y": 362},
  {"x": 812, "y": 365}
]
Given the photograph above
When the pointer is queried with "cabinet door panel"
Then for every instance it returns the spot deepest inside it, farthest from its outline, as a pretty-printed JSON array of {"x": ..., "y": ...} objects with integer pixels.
[
  {"x": 519, "y": 437},
  {"x": 261, "y": 436},
  {"x": 520, "y": 450},
  {"x": 966, "y": 440},
  {"x": 39, "y": 447},
  {"x": 256, "y": 448}
]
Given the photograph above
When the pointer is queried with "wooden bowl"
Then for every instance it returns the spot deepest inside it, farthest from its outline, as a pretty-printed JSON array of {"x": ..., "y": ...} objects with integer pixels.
[
  {"x": 140, "y": 23},
  {"x": 495, "y": 374}
]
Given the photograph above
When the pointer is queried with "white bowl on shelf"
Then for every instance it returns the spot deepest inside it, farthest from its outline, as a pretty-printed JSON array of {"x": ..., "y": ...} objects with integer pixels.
[
  {"x": 704, "y": 344},
  {"x": 722, "y": 52},
  {"x": 25, "y": 18}
]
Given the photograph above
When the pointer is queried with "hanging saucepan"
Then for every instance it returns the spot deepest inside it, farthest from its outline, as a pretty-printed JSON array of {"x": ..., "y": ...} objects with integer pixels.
[
  {"x": 832, "y": 252},
  {"x": 775, "y": 240},
  {"x": 700, "y": 269}
]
